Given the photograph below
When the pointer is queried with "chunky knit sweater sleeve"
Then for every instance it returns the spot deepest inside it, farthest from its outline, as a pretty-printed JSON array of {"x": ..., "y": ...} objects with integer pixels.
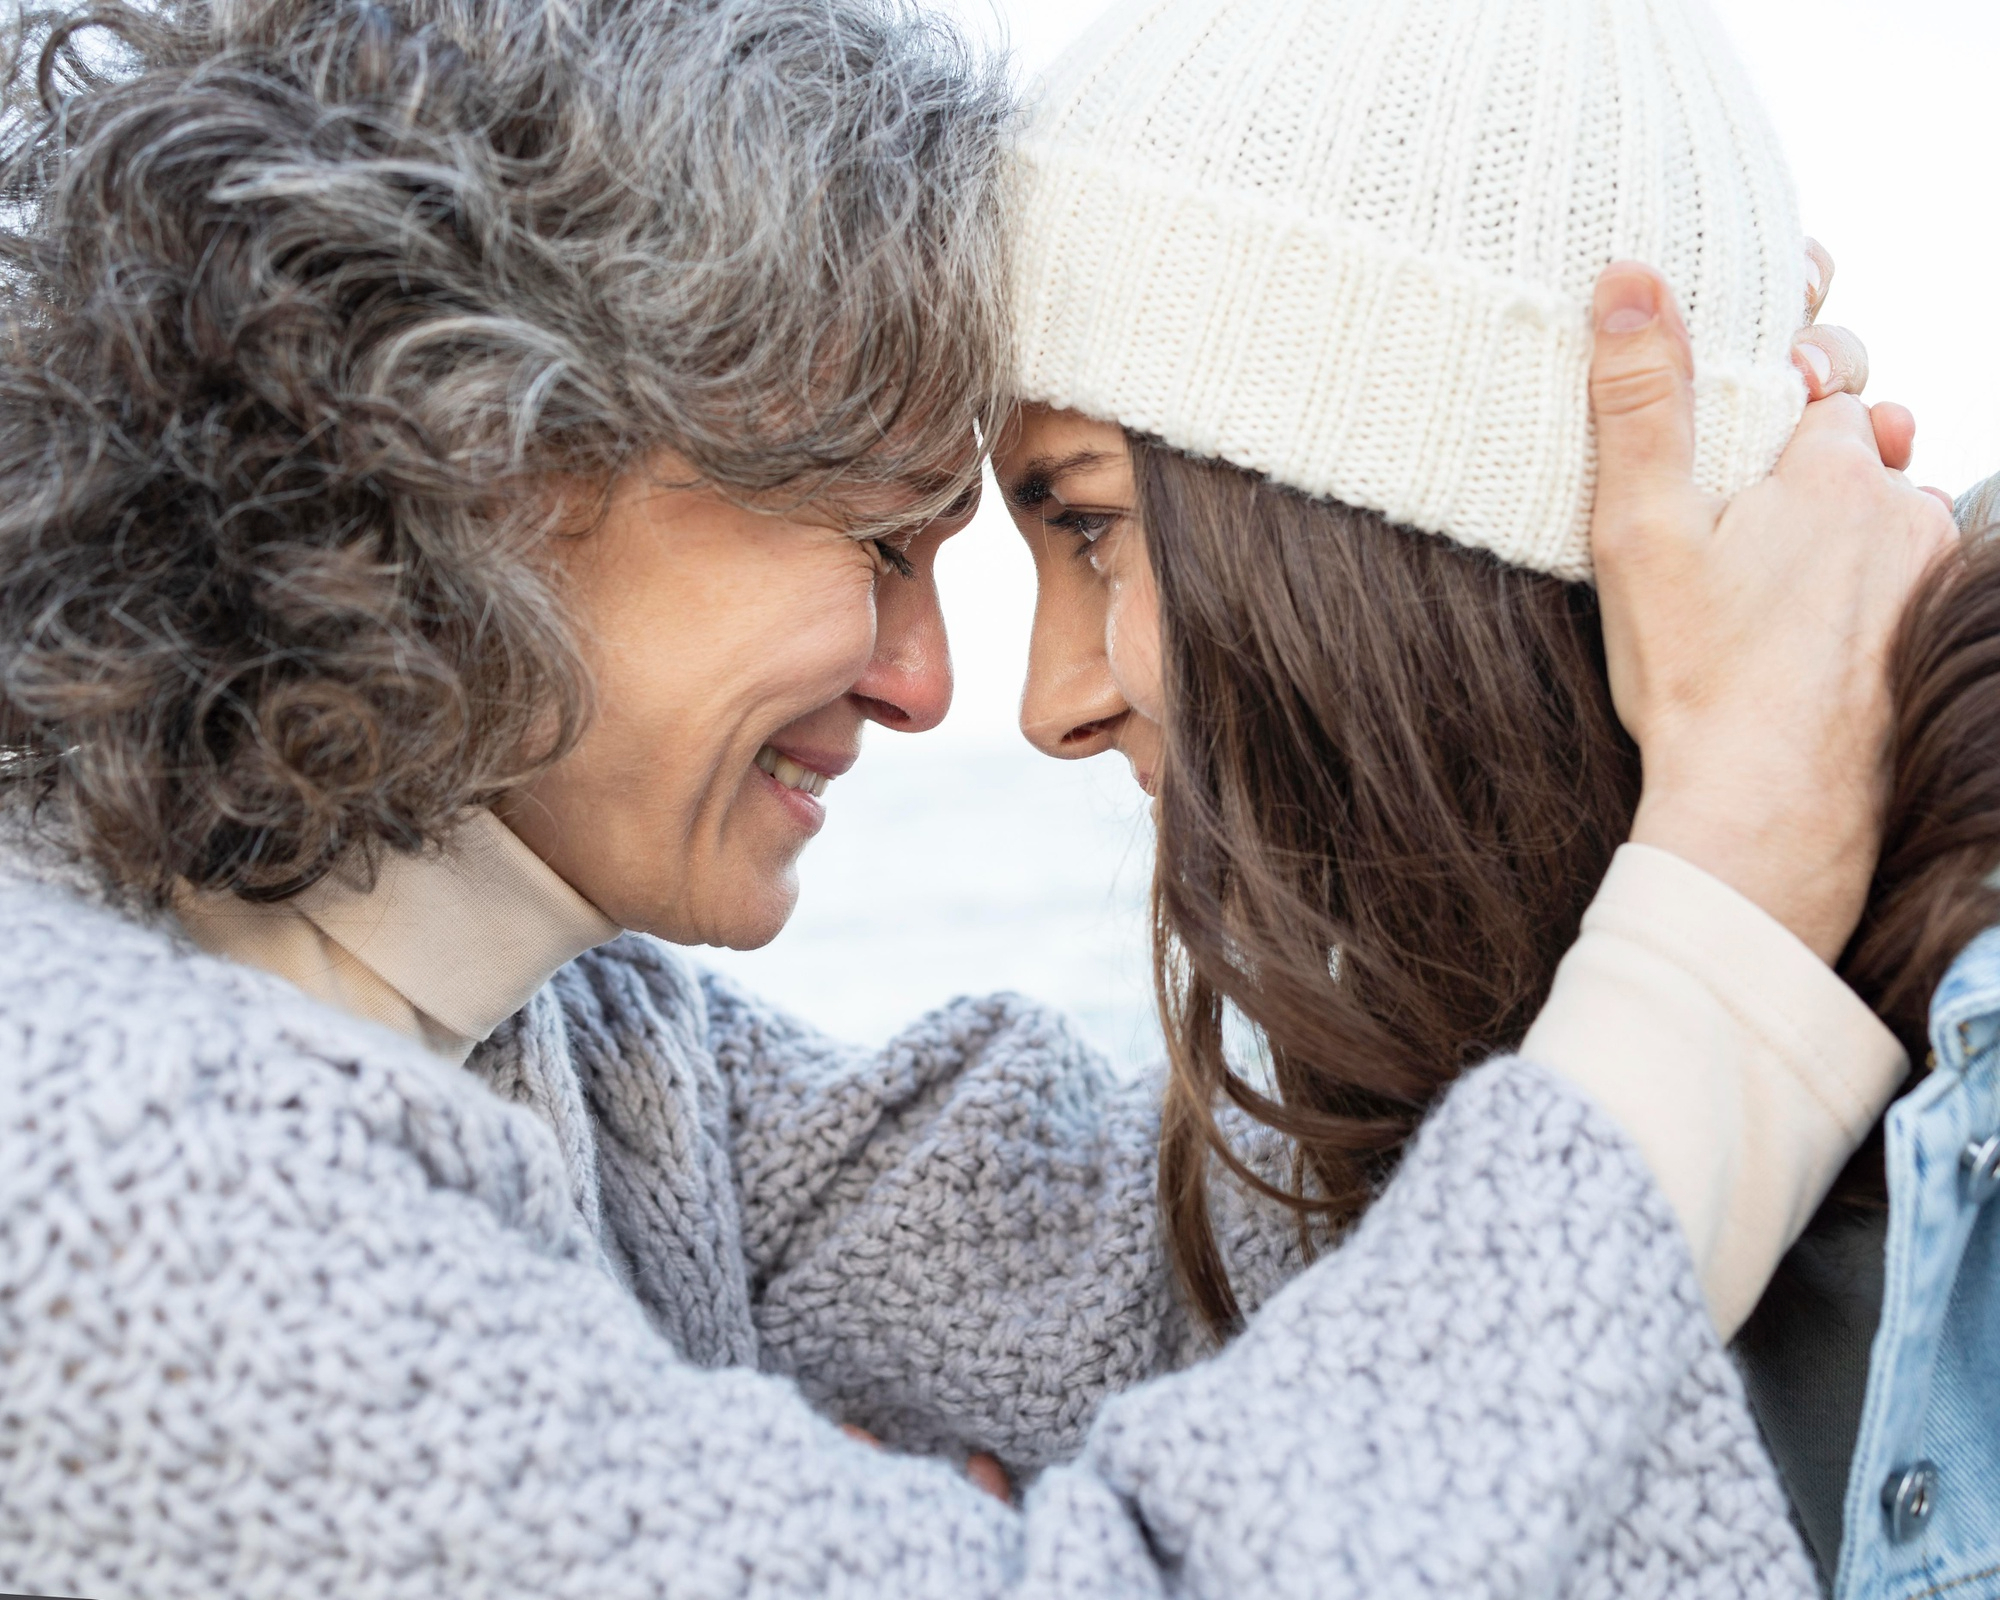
[
  {"x": 288, "y": 1308},
  {"x": 1012, "y": 1178}
]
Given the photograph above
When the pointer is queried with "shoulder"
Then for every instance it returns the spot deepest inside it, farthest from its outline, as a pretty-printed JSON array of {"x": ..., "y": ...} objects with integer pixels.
[
  {"x": 636, "y": 980},
  {"x": 131, "y": 1062},
  {"x": 102, "y": 991},
  {"x": 1000, "y": 1036}
]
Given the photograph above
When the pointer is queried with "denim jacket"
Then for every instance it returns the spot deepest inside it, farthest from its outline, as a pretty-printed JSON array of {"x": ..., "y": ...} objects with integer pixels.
[{"x": 1922, "y": 1514}]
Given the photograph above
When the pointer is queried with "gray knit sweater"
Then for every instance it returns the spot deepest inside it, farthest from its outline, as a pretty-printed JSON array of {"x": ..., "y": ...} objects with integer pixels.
[{"x": 289, "y": 1307}]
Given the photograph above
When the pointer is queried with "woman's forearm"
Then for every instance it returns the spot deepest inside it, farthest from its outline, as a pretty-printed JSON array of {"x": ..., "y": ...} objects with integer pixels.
[
  {"x": 1504, "y": 1366},
  {"x": 1741, "y": 1066}
]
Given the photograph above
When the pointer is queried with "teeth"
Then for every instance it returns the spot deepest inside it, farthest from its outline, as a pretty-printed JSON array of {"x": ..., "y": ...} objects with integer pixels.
[{"x": 790, "y": 773}]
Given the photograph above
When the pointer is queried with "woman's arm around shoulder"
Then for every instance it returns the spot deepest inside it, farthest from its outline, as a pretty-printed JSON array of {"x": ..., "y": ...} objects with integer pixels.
[
  {"x": 265, "y": 1345},
  {"x": 954, "y": 1239}
]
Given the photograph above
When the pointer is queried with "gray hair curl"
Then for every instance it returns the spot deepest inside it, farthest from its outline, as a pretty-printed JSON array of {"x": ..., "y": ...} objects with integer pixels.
[{"x": 301, "y": 299}]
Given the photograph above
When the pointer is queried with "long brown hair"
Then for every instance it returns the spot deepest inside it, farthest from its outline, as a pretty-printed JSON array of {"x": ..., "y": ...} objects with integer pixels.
[{"x": 1392, "y": 783}]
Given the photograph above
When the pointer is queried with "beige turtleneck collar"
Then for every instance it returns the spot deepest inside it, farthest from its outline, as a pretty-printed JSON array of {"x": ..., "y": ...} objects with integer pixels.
[{"x": 444, "y": 948}]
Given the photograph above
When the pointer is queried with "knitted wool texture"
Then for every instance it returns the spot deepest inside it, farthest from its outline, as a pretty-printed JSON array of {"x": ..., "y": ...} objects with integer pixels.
[
  {"x": 291, "y": 1308},
  {"x": 1350, "y": 244}
]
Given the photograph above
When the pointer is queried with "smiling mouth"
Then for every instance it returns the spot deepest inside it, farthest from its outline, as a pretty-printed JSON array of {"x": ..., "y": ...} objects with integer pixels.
[{"x": 791, "y": 774}]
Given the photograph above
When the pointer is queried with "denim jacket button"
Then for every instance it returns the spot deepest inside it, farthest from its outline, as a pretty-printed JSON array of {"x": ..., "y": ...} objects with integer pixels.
[
  {"x": 1980, "y": 1161},
  {"x": 1908, "y": 1499}
]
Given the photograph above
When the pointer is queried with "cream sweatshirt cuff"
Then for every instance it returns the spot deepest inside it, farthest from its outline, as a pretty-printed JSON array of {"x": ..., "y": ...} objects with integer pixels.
[{"x": 1746, "y": 1072}]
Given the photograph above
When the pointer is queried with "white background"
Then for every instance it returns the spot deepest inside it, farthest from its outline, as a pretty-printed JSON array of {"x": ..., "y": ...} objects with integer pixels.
[{"x": 959, "y": 861}]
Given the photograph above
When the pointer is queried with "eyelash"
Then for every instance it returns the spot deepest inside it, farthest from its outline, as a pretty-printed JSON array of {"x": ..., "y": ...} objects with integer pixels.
[
  {"x": 1088, "y": 526},
  {"x": 890, "y": 559}
]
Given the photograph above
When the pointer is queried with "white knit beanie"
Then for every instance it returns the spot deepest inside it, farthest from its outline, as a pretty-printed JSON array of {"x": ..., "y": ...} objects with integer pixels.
[{"x": 1350, "y": 244}]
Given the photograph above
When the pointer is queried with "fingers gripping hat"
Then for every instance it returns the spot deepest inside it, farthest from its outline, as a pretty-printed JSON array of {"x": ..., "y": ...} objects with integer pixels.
[{"x": 1350, "y": 244}]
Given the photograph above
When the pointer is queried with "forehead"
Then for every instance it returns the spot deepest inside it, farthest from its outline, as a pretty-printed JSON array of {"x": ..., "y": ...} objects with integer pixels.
[
  {"x": 946, "y": 491},
  {"x": 1043, "y": 449}
]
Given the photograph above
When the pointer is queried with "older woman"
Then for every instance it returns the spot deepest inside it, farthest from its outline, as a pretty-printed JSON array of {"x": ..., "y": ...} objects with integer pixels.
[{"x": 471, "y": 472}]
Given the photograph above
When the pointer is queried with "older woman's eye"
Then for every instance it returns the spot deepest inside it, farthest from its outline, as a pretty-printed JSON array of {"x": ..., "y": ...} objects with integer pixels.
[{"x": 889, "y": 559}]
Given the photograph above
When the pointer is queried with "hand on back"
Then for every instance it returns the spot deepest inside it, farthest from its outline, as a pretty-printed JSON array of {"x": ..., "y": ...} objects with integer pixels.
[{"x": 1748, "y": 642}]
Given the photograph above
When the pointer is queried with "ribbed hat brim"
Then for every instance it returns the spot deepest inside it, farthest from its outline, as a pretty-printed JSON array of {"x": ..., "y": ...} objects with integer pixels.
[{"x": 1336, "y": 362}]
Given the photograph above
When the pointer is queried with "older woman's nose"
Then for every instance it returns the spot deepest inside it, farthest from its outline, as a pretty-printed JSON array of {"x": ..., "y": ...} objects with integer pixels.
[{"x": 907, "y": 683}]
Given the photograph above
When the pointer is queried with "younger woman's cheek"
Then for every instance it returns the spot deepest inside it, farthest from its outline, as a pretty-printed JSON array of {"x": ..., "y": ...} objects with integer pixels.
[{"x": 1132, "y": 643}]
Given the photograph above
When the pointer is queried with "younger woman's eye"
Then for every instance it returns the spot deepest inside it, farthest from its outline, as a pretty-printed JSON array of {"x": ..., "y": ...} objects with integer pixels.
[{"x": 1089, "y": 526}]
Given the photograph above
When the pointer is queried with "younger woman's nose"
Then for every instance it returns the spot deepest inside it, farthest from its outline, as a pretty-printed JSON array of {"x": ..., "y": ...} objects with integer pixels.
[
  {"x": 1070, "y": 706},
  {"x": 1072, "y": 721}
]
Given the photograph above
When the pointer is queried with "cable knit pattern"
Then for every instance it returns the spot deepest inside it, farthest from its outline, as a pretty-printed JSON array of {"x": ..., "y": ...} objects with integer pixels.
[
  {"x": 289, "y": 1307},
  {"x": 1350, "y": 244}
]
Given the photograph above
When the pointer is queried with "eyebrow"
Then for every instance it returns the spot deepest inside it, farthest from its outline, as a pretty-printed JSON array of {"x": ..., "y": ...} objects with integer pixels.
[
  {"x": 921, "y": 488},
  {"x": 1032, "y": 484}
]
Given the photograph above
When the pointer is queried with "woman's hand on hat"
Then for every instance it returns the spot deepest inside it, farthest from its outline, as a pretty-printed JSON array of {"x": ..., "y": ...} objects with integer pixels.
[
  {"x": 1831, "y": 360},
  {"x": 1748, "y": 641}
]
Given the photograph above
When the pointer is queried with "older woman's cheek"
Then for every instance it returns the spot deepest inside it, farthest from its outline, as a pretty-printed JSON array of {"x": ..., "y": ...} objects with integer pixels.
[
  {"x": 805, "y": 651},
  {"x": 708, "y": 630}
]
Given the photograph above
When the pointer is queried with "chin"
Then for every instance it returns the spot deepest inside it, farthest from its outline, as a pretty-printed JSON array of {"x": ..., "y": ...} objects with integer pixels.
[{"x": 755, "y": 916}]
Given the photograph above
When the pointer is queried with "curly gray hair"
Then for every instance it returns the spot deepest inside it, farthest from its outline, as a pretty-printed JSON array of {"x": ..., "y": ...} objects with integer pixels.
[{"x": 303, "y": 299}]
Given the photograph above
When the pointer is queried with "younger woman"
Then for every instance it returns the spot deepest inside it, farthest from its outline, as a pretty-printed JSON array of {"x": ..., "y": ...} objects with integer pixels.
[{"x": 1301, "y": 296}]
